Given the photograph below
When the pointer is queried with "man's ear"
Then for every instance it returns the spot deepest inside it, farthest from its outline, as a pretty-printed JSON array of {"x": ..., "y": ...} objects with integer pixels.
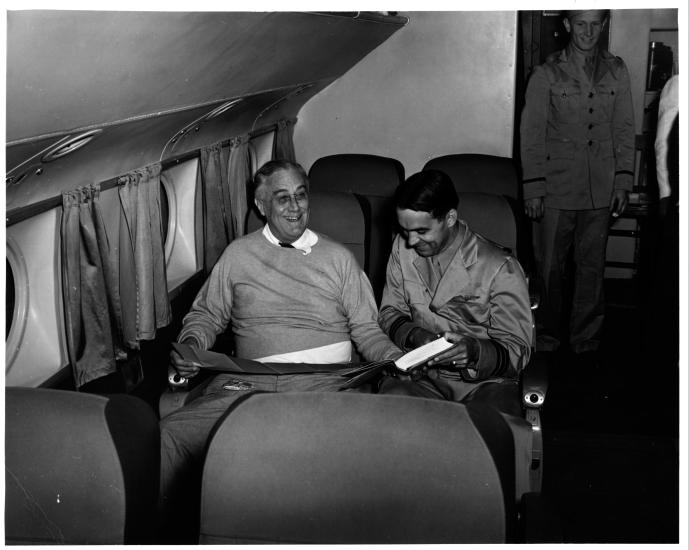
[
  {"x": 567, "y": 24},
  {"x": 451, "y": 217},
  {"x": 259, "y": 205}
]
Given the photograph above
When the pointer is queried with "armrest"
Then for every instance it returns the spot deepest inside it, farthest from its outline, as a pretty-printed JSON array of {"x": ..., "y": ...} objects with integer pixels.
[
  {"x": 534, "y": 382},
  {"x": 176, "y": 396}
]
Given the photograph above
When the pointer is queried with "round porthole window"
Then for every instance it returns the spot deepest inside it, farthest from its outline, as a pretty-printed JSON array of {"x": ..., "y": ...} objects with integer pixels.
[{"x": 17, "y": 301}]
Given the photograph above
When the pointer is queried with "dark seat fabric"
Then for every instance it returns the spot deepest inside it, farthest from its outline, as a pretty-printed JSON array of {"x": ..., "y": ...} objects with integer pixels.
[
  {"x": 79, "y": 468},
  {"x": 490, "y": 216},
  {"x": 373, "y": 180},
  {"x": 336, "y": 215},
  {"x": 358, "y": 468},
  {"x": 480, "y": 173}
]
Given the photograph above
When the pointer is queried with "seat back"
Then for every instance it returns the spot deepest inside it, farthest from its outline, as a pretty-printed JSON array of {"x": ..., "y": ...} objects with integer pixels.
[
  {"x": 373, "y": 180},
  {"x": 479, "y": 173},
  {"x": 334, "y": 214},
  {"x": 490, "y": 216},
  {"x": 79, "y": 468},
  {"x": 357, "y": 468}
]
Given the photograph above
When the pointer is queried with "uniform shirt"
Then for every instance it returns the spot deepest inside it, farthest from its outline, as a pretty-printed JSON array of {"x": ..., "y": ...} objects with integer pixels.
[{"x": 577, "y": 132}]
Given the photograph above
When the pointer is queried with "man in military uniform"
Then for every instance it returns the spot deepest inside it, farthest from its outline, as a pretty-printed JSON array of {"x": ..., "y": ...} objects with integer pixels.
[{"x": 577, "y": 149}]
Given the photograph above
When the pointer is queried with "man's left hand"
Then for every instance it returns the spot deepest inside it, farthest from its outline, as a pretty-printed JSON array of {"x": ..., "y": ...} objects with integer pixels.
[
  {"x": 618, "y": 202},
  {"x": 460, "y": 356}
]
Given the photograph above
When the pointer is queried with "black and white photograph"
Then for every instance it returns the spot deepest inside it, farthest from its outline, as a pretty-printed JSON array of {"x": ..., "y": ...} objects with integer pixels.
[{"x": 306, "y": 274}]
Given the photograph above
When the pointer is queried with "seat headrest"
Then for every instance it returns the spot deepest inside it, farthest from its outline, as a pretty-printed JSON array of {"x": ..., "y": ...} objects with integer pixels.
[
  {"x": 334, "y": 214},
  {"x": 79, "y": 468},
  {"x": 353, "y": 173},
  {"x": 479, "y": 173},
  {"x": 490, "y": 216},
  {"x": 356, "y": 468}
]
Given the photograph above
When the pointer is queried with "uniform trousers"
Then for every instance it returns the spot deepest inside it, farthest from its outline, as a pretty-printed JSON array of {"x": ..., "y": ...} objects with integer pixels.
[{"x": 586, "y": 231}]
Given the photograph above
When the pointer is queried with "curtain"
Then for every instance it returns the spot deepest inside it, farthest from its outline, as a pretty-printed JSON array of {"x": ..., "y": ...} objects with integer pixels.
[
  {"x": 89, "y": 284},
  {"x": 143, "y": 280},
  {"x": 283, "y": 146},
  {"x": 239, "y": 169},
  {"x": 217, "y": 224}
]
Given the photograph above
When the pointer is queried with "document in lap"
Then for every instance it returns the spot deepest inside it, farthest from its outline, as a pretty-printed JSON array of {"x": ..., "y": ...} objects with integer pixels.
[{"x": 219, "y": 362}]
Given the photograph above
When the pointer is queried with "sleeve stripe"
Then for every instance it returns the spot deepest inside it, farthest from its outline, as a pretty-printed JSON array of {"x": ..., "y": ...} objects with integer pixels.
[{"x": 533, "y": 180}]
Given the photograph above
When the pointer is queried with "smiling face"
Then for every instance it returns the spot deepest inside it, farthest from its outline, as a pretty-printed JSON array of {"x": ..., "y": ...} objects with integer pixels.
[
  {"x": 584, "y": 29},
  {"x": 427, "y": 235},
  {"x": 283, "y": 198}
]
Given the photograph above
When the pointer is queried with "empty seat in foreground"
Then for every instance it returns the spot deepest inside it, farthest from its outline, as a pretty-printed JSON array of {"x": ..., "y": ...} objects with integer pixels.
[
  {"x": 79, "y": 468},
  {"x": 358, "y": 468}
]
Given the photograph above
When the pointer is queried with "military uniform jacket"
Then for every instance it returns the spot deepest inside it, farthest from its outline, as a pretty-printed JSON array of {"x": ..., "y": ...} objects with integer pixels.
[
  {"x": 483, "y": 293},
  {"x": 577, "y": 134}
]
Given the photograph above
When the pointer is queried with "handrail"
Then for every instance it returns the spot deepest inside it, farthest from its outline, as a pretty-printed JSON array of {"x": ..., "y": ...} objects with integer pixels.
[{"x": 22, "y": 213}]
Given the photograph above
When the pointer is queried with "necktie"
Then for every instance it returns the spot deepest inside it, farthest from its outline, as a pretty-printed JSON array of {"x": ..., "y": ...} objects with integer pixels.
[{"x": 286, "y": 245}]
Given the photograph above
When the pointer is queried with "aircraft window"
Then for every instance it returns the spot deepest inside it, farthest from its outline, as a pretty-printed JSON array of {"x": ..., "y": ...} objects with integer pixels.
[
  {"x": 9, "y": 298},
  {"x": 164, "y": 210}
]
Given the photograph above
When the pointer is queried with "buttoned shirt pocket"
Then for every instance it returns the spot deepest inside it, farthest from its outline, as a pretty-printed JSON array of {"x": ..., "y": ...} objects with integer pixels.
[
  {"x": 565, "y": 103},
  {"x": 606, "y": 93}
]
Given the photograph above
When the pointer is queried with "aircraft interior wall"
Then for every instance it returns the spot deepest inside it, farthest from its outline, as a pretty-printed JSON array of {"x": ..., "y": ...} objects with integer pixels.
[{"x": 443, "y": 84}]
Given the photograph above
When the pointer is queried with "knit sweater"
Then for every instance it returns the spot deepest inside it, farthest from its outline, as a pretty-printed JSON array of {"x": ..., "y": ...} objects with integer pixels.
[{"x": 279, "y": 300}]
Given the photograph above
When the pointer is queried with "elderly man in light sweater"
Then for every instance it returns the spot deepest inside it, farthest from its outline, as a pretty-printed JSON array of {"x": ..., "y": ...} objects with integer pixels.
[{"x": 289, "y": 295}]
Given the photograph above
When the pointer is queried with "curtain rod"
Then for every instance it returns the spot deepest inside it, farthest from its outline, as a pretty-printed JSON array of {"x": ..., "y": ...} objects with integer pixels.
[{"x": 22, "y": 213}]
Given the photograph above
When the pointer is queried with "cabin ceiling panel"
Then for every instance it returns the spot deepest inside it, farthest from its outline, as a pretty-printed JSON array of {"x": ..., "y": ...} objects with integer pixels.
[
  {"x": 75, "y": 69},
  {"x": 125, "y": 147}
]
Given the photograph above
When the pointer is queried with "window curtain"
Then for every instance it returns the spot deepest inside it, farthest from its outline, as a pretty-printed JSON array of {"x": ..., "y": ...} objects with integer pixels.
[
  {"x": 239, "y": 169},
  {"x": 90, "y": 290},
  {"x": 283, "y": 145},
  {"x": 218, "y": 230},
  {"x": 143, "y": 280}
]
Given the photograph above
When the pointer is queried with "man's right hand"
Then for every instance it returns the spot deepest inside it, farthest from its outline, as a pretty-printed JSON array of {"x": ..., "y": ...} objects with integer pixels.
[
  {"x": 534, "y": 208},
  {"x": 420, "y": 336},
  {"x": 187, "y": 369}
]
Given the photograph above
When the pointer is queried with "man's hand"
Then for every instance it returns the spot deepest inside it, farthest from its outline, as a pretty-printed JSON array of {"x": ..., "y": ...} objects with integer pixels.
[
  {"x": 420, "y": 336},
  {"x": 460, "y": 356},
  {"x": 187, "y": 369},
  {"x": 618, "y": 202},
  {"x": 534, "y": 208}
]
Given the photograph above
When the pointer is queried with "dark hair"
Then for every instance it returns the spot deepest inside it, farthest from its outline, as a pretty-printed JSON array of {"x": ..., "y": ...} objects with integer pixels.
[
  {"x": 272, "y": 166},
  {"x": 428, "y": 191},
  {"x": 568, "y": 14}
]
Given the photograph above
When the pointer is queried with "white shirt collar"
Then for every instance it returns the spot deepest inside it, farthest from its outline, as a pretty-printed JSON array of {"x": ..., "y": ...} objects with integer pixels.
[{"x": 304, "y": 243}]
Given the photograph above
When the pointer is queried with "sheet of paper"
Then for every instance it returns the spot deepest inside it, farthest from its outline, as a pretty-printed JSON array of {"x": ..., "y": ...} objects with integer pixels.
[{"x": 422, "y": 354}]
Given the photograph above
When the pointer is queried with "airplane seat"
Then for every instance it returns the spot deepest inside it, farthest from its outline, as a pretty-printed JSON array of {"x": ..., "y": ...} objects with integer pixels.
[
  {"x": 79, "y": 468},
  {"x": 491, "y": 216},
  {"x": 491, "y": 174},
  {"x": 358, "y": 468},
  {"x": 373, "y": 180},
  {"x": 336, "y": 215},
  {"x": 479, "y": 173}
]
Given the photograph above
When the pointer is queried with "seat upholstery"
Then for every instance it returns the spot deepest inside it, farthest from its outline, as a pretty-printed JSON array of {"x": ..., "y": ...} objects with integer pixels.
[
  {"x": 357, "y": 468},
  {"x": 490, "y": 216},
  {"x": 373, "y": 180},
  {"x": 79, "y": 468},
  {"x": 479, "y": 173},
  {"x": 336, "y": 215}
]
